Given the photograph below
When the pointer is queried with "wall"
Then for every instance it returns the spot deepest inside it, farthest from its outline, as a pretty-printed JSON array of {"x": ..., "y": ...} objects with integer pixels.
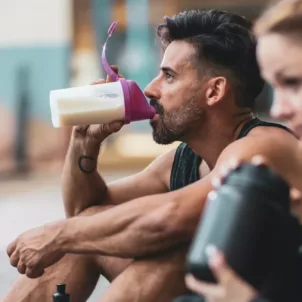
[{"x": 35, "y": 35}]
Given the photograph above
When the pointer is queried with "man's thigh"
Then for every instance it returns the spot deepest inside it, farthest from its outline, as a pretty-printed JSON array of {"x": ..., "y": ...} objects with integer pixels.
[
  {"x": 111, "y": 267},
  {"x": 157, "y": 278}
]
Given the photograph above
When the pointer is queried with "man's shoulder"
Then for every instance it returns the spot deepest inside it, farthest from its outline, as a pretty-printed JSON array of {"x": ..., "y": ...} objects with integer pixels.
[{"x": 161, "y": 166}]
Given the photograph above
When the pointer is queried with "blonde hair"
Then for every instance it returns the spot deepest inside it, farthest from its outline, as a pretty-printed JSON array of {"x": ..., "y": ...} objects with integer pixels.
[{"x": 285, "y": 17}]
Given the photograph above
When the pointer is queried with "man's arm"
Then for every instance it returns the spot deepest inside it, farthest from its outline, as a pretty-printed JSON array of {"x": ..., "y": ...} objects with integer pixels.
[
  {"x": 83, "y": 187},
  {"x": 82, "y": 190},
  {"x": 144, "y": 226},
  {"x": 150, "y": 224},
  {"x": 154, "y": 223}
]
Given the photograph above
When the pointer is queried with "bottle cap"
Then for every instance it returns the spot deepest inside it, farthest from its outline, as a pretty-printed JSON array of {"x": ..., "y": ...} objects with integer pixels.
[
  {"x": 61, "y": 295},
  {"x": 136, "y": 105}
]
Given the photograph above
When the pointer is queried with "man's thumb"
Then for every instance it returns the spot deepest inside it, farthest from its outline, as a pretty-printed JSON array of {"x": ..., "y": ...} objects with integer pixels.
[{"x": 115, "y": 126}]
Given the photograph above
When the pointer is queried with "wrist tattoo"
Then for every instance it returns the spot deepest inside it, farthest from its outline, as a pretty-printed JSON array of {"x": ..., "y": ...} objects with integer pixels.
[{"x": 87, "y": 164}]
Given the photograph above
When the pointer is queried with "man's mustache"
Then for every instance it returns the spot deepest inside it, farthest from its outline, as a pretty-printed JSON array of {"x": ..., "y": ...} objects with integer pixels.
[{"x": 157, "y": 106}]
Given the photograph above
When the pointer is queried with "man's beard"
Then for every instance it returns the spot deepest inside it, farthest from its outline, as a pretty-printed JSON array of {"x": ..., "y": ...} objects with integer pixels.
[{"x": 175, "y": 125}]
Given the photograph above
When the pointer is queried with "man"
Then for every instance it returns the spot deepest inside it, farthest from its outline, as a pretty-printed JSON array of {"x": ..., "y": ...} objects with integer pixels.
[{"x": 136, "y": 231}]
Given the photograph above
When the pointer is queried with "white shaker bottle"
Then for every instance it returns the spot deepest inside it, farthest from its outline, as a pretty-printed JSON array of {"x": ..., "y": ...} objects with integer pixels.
[{"x": 100, "y": 104}]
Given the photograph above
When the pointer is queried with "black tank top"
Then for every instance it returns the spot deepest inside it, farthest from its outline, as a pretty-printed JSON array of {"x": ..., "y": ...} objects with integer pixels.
[{"x": 185, "y": 168}]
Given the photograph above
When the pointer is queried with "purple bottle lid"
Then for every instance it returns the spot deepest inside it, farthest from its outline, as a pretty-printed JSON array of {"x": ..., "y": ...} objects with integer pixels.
[{"x": 136, "y": 105}]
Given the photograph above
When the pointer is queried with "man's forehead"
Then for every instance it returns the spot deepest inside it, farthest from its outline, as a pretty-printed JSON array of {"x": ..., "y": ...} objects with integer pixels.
[{"x": 178, "y": 55}]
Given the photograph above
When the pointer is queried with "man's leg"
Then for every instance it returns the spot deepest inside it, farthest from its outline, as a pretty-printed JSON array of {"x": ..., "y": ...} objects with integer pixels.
[
  {"x": 159, "y": 278},
  {"x": 79, "y": 272}
]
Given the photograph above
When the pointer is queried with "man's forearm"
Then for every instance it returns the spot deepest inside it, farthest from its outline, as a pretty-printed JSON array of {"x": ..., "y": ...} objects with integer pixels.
[
  {"x": 82, "y": 186},
  {"x": 140, "y": 227},
  {"x": 137, "y": 228}
]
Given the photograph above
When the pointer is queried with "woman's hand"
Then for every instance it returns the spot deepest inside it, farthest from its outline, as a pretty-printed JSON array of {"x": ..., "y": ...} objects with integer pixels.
[{"x": 230, "y": 287}]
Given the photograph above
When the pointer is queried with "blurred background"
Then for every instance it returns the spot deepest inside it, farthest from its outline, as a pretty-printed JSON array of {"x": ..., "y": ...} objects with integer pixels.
[{"x": 46, "y": 45}]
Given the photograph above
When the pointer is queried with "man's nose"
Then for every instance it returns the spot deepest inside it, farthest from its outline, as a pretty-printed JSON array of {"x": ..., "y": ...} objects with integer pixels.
[{"x": 152, "y": 91}]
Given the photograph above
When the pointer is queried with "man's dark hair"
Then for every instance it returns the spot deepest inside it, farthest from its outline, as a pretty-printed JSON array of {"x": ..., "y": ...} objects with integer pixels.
[{"x": 225, "y": 42}]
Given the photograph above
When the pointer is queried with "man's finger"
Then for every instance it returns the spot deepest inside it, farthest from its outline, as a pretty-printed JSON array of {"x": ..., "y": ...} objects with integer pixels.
[
  {"x": 34, "y": 272},
  {"x": 204, "y": 288},
  {"x": 108, "y": 79},
  {"x": 115, "y": 126},
  {"x": 115, "y": 69},
  {"x": 106, "y": 129},
  {"x": 11, "y": 248},
  {"x": 14, "y": 259},
  {"x": 81, "y": 129},
  {"x": 21, "y": 267},
  {"x": 101, "y": 81}
]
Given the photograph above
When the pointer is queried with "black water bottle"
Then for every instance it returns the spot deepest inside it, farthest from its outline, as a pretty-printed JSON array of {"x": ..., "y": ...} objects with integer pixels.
[
  {"x": 248, "y": 219},
  {"x": 61, "y": 295}
]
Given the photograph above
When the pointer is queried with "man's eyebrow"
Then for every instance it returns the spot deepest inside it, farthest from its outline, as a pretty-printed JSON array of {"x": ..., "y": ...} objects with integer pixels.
[{"x": 168, "y": 69}]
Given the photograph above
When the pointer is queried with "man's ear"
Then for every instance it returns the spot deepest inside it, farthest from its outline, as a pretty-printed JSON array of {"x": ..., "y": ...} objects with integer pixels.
[{"x": 216, "y": 90}]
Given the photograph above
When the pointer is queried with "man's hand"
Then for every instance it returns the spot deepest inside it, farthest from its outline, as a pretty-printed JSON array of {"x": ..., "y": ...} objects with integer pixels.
[
  {"x": 230, "y": 287},
  {"x": 82, "y": 186},
  {"x": 36, "y": 249},
  {"x": 97, "y": 133}
]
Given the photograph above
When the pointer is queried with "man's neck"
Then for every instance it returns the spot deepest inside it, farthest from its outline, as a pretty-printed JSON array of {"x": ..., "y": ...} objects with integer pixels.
[{"x": 215, "y": 135}]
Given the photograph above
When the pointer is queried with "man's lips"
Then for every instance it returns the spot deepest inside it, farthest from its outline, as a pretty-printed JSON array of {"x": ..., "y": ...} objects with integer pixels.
[{"x": 155, "y": 117}]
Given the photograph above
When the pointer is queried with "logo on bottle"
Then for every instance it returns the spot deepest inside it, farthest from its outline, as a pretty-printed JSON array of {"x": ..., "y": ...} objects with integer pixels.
[{"x": 109, "y": 95}]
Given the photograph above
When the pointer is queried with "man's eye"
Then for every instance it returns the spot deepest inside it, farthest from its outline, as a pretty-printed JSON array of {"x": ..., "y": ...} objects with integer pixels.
[{"x": 168, "y": 76}]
